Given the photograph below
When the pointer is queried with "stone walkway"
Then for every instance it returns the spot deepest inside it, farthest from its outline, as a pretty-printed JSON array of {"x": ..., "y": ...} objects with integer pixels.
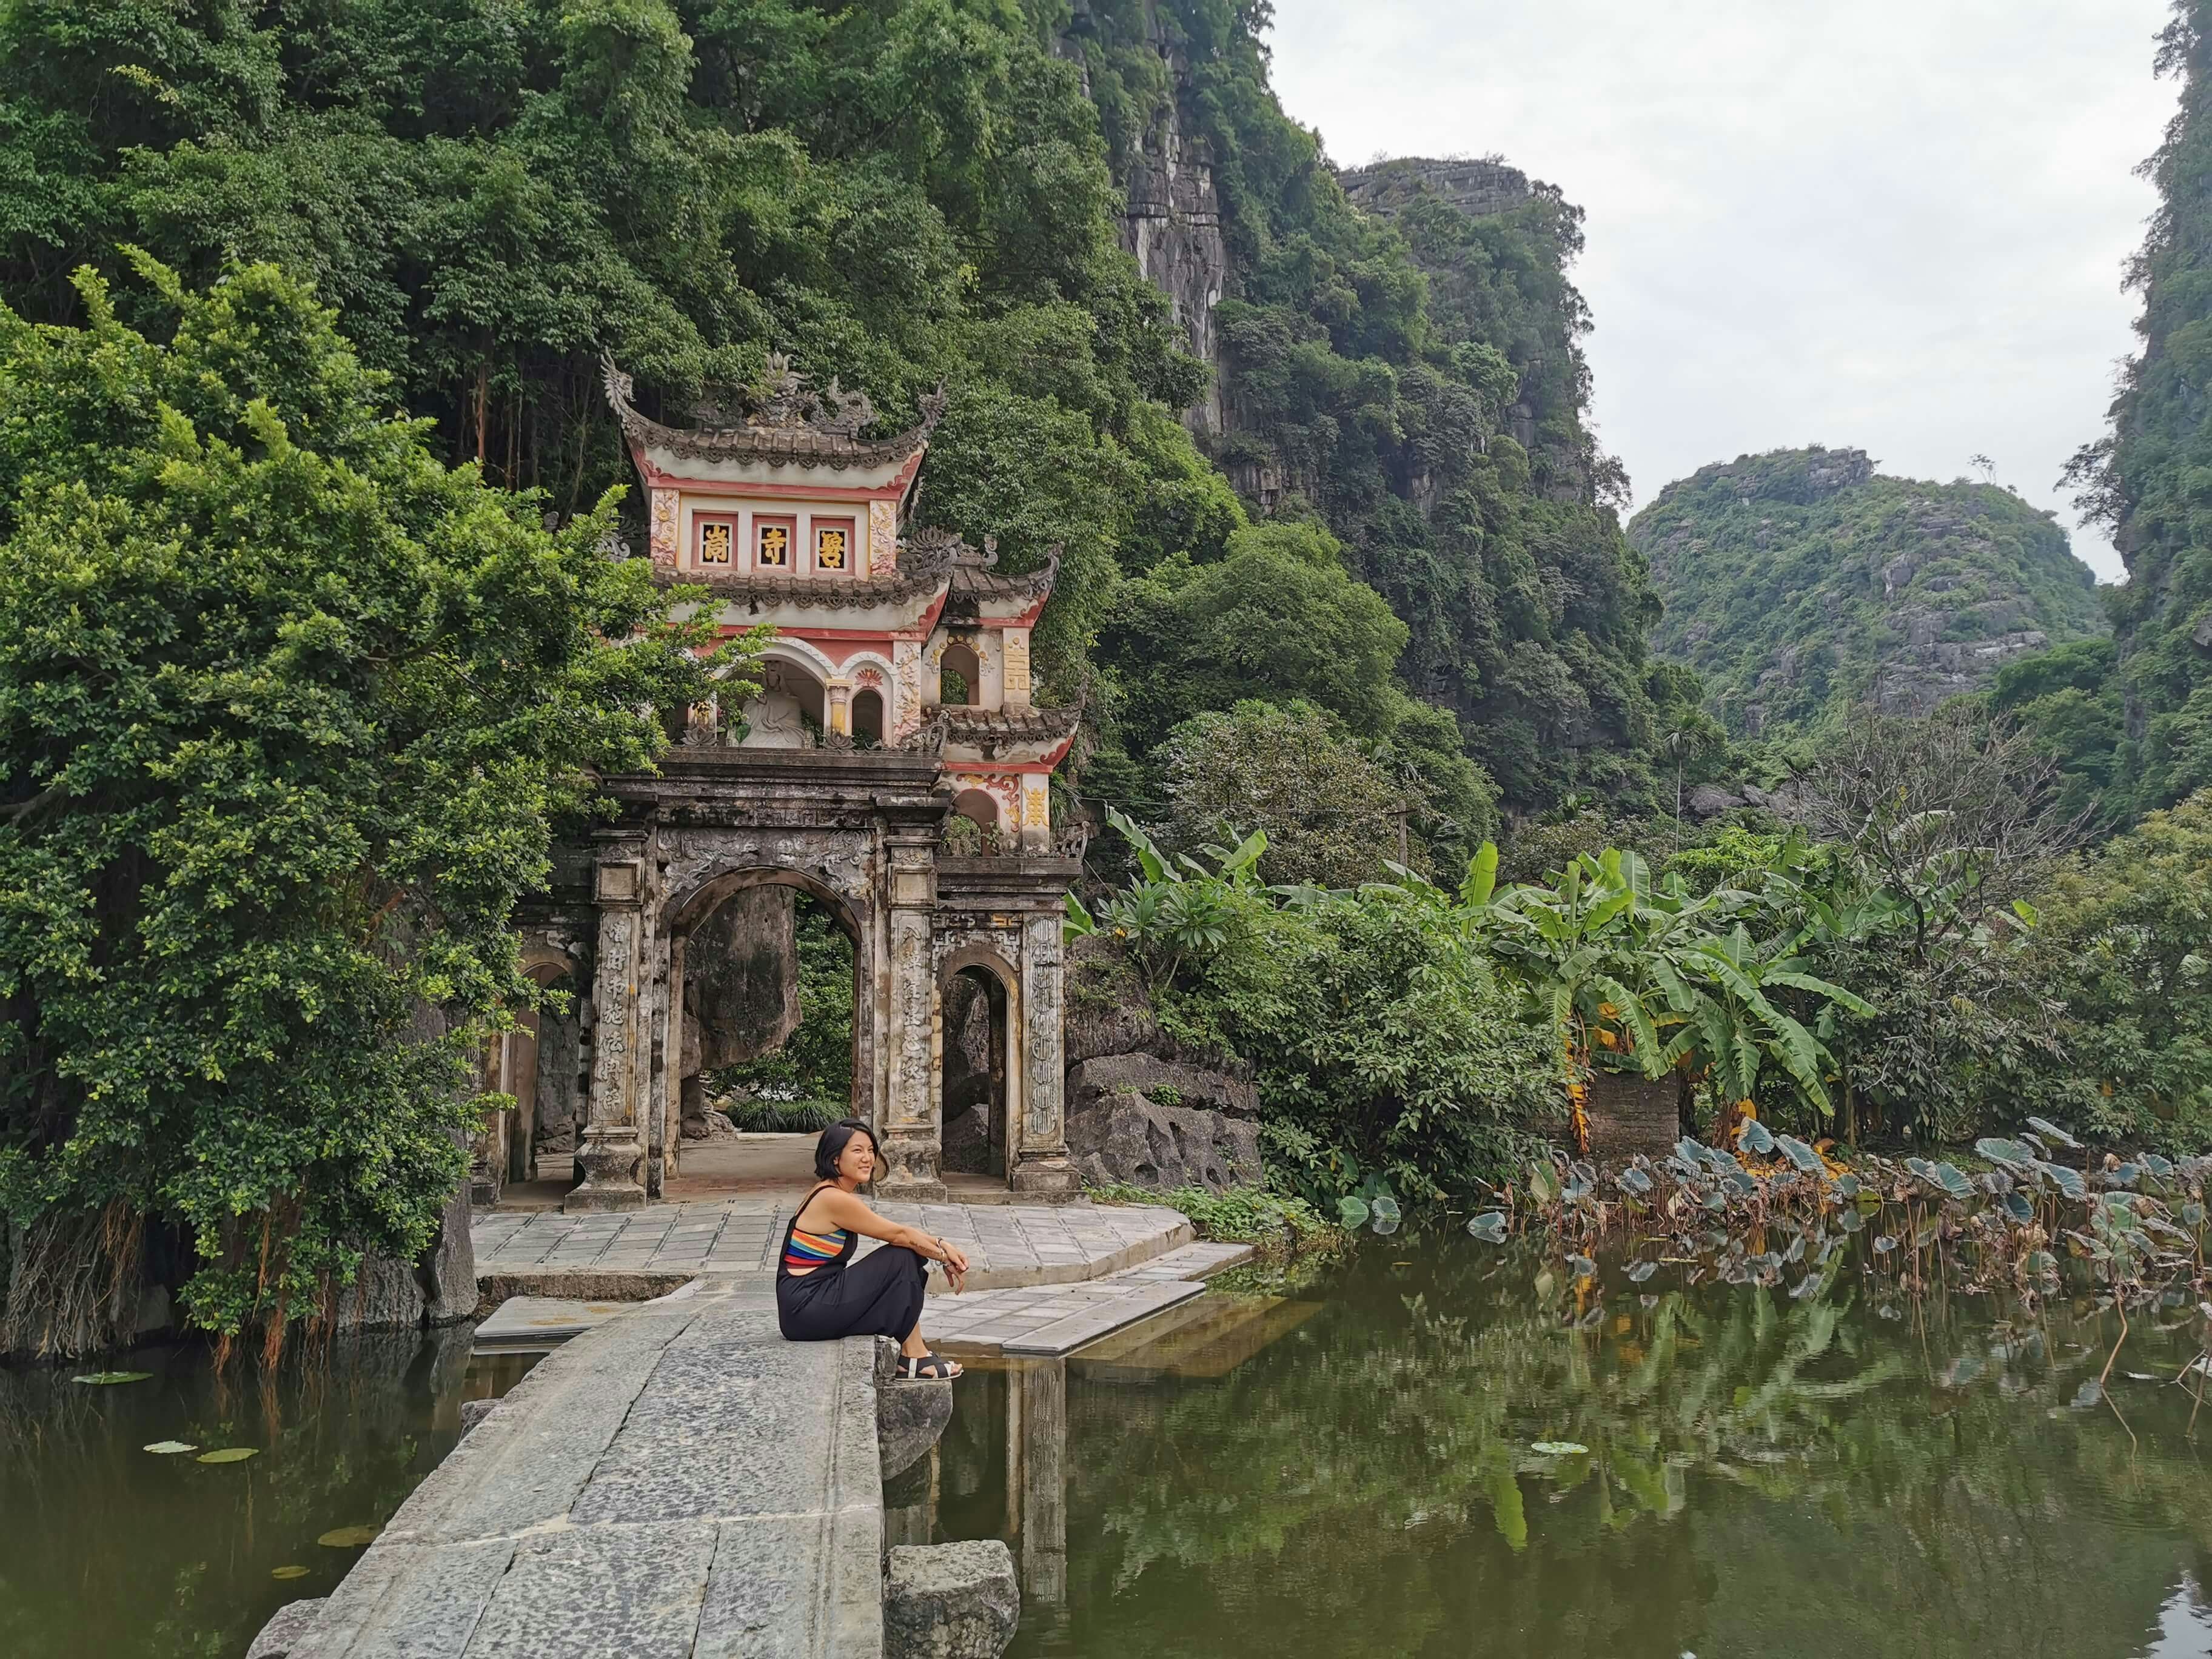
[
  {"x": 1007, "y": 1245},
  {"x": 1056, "y": 1319},
  {"x": 680, "y": 1483}
]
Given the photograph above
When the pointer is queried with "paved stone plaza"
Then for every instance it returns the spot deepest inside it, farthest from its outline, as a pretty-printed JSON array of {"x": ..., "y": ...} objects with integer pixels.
[{"x": 1007, "y": 1245}]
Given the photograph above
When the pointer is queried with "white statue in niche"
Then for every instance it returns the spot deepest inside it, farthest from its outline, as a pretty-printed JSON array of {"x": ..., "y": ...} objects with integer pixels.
[{"x": 774, "y": 719}]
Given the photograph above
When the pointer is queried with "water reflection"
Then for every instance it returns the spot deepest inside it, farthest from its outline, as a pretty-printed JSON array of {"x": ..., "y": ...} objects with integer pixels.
[
  {"x": 1757, "y": 1475},
  {"x": 107, "y": 1549}
]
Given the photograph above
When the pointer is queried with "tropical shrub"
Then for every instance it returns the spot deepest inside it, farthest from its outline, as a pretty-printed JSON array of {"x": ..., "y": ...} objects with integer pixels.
[{"x": 288, "y": 710}]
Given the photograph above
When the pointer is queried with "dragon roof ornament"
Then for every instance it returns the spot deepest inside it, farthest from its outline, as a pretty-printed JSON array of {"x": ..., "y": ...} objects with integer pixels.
[{"x": 782, "y": 420}]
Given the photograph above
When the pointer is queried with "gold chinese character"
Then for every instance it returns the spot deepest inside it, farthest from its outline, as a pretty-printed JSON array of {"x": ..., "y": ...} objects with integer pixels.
[
  {"x": 775, "y": 546},
  {"x": 829, "y": 550},
  {"x": 715, "y": 543}
]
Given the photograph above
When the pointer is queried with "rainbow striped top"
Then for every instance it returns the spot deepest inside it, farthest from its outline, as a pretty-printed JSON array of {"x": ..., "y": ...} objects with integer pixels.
[{"x": 804, "y": 1250}]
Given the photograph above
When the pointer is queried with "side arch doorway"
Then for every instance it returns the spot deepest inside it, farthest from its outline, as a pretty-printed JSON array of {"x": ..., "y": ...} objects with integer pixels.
[{"x": 981, "y": 1079}]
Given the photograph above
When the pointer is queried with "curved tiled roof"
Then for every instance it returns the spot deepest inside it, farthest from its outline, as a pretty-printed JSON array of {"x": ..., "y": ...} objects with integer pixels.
[
  {"x": 965, "y": 724},
  {"x": 792, "y": 425}
]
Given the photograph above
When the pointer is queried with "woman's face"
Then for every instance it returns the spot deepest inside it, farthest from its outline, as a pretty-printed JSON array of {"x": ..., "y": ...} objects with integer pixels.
[{"x": 858, "y": 1161}]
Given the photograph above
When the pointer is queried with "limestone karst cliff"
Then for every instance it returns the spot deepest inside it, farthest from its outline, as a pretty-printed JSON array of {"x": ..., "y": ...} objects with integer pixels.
[
  {"x": 1803, "y": 582},
  {"x": 1395, "y": 350}
]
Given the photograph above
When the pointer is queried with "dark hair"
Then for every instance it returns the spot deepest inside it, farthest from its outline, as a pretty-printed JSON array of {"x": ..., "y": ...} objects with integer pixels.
[{"x": 831, "y": 1146}]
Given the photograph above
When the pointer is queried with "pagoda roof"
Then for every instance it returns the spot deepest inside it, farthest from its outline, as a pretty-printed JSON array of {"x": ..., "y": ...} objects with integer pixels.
[{"x": 788, "y": 424}]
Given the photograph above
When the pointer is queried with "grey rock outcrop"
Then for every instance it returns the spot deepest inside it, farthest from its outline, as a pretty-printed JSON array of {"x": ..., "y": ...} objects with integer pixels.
[
  {"x": 1128, "y": 1139},
  {"x": 1170, "y": 1083},
  {"x": 290, "y": 1628},
  {"x": 951, "y": 1601},
  {"x": 910, "y": 1415},
  {"x": 439, "y": 1289},
  {"x": 741, "y": 980}
]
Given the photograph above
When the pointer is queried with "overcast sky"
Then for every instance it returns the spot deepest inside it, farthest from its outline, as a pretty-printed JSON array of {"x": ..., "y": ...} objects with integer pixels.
[{"x": 1891, "y": 225}]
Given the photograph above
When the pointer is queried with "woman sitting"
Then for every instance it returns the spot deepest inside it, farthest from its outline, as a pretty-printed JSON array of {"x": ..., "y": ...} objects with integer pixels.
[{"x": 822, "y": 1292}]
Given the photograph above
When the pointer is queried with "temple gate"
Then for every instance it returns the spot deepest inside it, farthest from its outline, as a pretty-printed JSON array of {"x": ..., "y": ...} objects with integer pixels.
[{"x": 892, "y": 766}]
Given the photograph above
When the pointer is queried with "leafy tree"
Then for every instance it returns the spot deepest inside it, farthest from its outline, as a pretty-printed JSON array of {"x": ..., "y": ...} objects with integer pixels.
[
  {"x": 287, "y": 709},
  {"x": 1277, "y": 618},
  {"x": 1330, "y": 813},
  {"x": 2124, "y": 942}
]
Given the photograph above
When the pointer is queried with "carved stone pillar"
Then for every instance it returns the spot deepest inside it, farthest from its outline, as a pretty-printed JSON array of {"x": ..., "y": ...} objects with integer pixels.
[
  {"x": 913, "y": 1132},
  {"x": 1044, "y": 1168},
  {"x": 612, "y": 1150},
  {"x": 840, "y": 708}
]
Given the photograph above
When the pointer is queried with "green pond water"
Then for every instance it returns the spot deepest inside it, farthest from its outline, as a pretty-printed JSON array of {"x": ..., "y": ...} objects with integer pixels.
[
  {"x": 1351, "y": 1470},
  {"x": 1345, "y": 1466},
  {"x": 110, "y": 1552}
]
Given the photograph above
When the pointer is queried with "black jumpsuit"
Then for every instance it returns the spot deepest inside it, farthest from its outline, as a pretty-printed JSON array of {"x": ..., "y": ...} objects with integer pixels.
[{"x": 879, "y": 1296}]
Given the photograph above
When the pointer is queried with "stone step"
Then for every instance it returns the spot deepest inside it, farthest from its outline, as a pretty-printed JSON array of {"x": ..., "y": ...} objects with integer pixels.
[
  {"x": 1229, "y": 1331},
  {"x": 1190, "y": 1261},
  {"x": 1101, "y": 1318},
  {"x": 1047, "y": 1320},
  {"x": 528, "y": 1323}
]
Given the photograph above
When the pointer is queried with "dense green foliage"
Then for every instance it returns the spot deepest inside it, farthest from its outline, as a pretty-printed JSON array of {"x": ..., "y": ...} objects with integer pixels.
[
  {"x": 1800, "y": 584},
  {"x": 2149, "y": 479},
  {"x": 287, "y": 710},
  {"x": 1388, "y": 1057}
]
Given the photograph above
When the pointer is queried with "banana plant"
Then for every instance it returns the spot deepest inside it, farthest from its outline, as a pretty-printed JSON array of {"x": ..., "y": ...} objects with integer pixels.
[{"x": 1177, "y": 910}]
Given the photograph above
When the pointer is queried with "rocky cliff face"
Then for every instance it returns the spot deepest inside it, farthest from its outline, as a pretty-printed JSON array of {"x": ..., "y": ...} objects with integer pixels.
[
  {"x": 1801, "y": 582},
  {"x": 1172, "y": 224}
]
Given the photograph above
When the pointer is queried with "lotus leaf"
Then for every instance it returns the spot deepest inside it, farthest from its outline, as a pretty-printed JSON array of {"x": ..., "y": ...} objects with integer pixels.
[
  {"x": 1798, "y": 1152},
  {"x": 108, "y": 1379},
  {"x": 169, "y": 1448},
  {"x": 348, "y": 1538},
  {"x": 1351, "y": 1213},
  {"x": 1560, "y": 1449},
  {"x": 290, "y": 1572},
  {"x": 229, "y": 1454}
]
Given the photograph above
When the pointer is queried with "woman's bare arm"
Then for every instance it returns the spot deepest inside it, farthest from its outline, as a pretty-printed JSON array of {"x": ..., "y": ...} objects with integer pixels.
[{"x": 850, "y": 1212}]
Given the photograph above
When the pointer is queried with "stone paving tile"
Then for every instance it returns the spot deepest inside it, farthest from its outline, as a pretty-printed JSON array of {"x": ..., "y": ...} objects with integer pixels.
[{"x": 1004, "y": 1243}]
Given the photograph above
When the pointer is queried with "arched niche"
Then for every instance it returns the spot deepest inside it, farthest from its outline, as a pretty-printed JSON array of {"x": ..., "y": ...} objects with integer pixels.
[
  {"x": 791, "y": 710},
  {"x": 960, "y": 675},
  {"x": 980, "y": 999}
]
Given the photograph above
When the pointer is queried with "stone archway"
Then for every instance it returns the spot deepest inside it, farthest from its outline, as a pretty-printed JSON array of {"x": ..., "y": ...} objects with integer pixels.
[
  {"x": 862, "y": 831},
  {"x": 734, "y": 978}
]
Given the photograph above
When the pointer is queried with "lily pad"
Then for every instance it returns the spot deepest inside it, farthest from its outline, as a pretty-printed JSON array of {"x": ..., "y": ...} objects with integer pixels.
[
  {"x": 229, "y": 1454},
  {"x": 348, "y": 1538},
  {"x": 107, "y": 1379},
  {"x": 289, "y": 1572},
  {"x": 1351, "y": 1213},
  {"x": 1560, "y": 1449},
  {"x": 169, "y": 1448}
]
